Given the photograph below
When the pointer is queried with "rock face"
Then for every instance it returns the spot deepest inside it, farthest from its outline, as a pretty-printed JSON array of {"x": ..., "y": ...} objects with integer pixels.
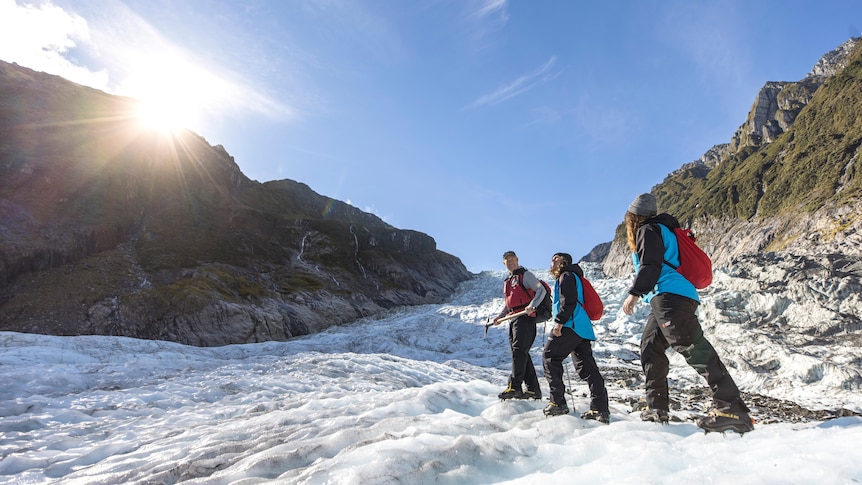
[
  {"x": 833, "y": 61},
  {"x": 778, "y": 208},
  {"x": 108, "y": 229},
  {"x": 778, "y": 103},
  {"x": 597, "y": 254},
  {"x": 774, "y": 110}
]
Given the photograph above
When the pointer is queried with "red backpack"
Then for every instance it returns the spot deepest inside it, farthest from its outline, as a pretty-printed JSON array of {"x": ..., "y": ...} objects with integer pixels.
[
  {"x": 694, "y": 264},
  {"x": 592, "y": 301}
]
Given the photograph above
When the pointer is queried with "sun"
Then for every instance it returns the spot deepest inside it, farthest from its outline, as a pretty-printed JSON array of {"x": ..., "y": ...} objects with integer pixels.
[
  {"x": 172, "y": 93},
  {"x": 165, "y": 114}
]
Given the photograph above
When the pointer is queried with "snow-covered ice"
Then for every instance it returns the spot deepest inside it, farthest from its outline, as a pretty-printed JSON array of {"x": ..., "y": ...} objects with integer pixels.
[{"x": 409, "y": 397}]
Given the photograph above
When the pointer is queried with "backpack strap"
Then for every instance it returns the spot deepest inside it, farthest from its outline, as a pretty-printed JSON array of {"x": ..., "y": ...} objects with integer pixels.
[
  {"x": 578, "y": 283},
  {"x": 519, "y": 273},
  {"x": 677, "y": 244}
]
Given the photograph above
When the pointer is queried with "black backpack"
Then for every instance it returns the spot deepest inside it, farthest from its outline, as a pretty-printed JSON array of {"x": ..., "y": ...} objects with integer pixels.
[{"x": 546, "y": 308}]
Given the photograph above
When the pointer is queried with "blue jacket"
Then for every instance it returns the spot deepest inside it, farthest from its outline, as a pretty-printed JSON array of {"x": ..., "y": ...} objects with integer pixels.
[
  {"x": 568, "y": 302},
  {"x": 656, "y": 243}
]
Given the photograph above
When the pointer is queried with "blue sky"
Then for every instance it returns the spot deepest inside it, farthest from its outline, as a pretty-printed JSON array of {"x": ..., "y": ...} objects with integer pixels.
[{"x": 488, "y": 124}]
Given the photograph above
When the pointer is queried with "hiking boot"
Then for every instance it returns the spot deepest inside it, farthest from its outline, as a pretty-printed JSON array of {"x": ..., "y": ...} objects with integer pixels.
[
  {"x": 602, "y": 417},
  {"x": 655, "y": 416},
  {"x": 553, "y": 409},
  {"x": 511, "y": 393},
  {"x": 718, "y": 421},
  {"x": 537, "y": 395}
]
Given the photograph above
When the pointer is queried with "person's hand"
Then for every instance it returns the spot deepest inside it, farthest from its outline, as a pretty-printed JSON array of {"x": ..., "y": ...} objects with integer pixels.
[
  {"x": 531, "y": 311},
  {"x": 629, "y": 304},
  {"x": 496, "y": 321},
  {"x": 557, "y": 330}
]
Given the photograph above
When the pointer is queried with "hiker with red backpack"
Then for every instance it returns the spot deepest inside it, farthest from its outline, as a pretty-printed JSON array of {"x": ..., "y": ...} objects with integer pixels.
[
  {"x": 573, "y": 334},
  {"x": 523, "y": 292},
  {"x": 672, "y": 321}
]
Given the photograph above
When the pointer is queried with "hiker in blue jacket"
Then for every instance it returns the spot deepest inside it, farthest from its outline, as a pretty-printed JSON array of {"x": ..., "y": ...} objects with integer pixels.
[
  {"x": 672, "y": 321},
  {"x": 522, "y": 330},
  {"x": 572, "y": 334}
]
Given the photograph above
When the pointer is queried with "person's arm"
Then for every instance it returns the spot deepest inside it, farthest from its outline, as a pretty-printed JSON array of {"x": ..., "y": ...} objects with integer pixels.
[
  {"x": 530, "y": 281},
  {"x": 568, "y": 298},
  {"x": 503, "y": 313},
  {"x": 568, "y": 302},
  {"x": 650, "y": 248}
]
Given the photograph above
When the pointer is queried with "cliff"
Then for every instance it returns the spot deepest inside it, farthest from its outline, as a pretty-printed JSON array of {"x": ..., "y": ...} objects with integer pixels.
[
  {"x": 786, "y": 182},
  {"x": 109, "y": 229}
]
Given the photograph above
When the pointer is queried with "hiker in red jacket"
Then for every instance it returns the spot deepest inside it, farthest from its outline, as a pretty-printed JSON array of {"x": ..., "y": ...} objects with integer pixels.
[
  {"x": 522, "y": 330},
  {"x": 672, "y": 322},
  {"x": 572, "y": 334}
]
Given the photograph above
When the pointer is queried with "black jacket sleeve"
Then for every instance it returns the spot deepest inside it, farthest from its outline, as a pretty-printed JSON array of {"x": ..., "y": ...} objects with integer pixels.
[
  {"x": 650, "y": 250},
  {"x": 568, "y": 297}
]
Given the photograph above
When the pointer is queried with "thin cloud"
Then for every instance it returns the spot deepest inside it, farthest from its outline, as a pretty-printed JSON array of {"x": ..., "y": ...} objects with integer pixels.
[
  {"x": 361, "y": 26},
  {"x": 41, "y": 37},
  {"x": 495, "y": 10},
  {"x": 483, "y": 19},
  {"x": 598, "y": 124},
  {"x": 115, "y": 50},
  {"x": 711, "y": 38},
  {"x": 519, "y": 86}
]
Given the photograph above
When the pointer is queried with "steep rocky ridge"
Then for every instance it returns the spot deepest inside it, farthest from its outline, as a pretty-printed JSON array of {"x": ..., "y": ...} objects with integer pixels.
[
  {"x": 106, "y": 228},
  {"x": 778, "y": 210},
  {"x": 787, "y": 180}
]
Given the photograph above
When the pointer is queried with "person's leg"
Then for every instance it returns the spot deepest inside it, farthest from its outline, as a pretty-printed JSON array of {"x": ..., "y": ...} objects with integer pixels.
[
  {"x": 523, "y": 334},
  {"x": 531, "y": 379},
  {"x": 588, "y": 370},
  {"x": 513, "y": 389},
  {"x": 512, "y": 350},
  {"x": 556, "y": 350},
  {"x": 655, "y": 365},
  {"x": 685, "y": 334}
]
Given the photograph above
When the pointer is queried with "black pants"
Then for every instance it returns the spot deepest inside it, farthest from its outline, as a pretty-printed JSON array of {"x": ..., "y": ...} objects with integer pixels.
[
  {"x": 556, "y": 350},
  {"x": 673, "y": 323},
  {"x": 522, "y": 334}
]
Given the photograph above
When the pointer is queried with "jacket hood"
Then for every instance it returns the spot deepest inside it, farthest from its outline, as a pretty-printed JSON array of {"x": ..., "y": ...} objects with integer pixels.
[
  {"x": 664, "y": 218},
  {"x": 574, "y": 268}
]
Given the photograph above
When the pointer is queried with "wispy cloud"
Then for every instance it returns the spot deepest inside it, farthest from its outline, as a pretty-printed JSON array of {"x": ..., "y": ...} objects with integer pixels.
[
  {"x": 483, "y": 18},
  {"x": 115, "y": 50},
  {"x": 494, "y": 10},
  {"x": 598, "y": 123},
  {"x": 519, "y": 86},
  {"x": 41, "y": 37},
  {"x": 361, "y": 26},
  {"x": 712, "y": 38}
]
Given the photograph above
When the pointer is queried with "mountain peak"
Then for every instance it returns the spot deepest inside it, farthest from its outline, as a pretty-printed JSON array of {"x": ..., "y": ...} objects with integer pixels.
[
  {"x": 108, "y": 228},
  {"x": 834, "y": 60},
  {"x": 787, "y": 181}
]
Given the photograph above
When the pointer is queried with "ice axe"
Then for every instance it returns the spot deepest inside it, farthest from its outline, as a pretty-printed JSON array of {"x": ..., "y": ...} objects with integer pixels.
[{"x": 505, "y": 319}]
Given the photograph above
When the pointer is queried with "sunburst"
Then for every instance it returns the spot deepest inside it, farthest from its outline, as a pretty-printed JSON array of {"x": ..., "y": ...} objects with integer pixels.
[{"x": 172, "y": 93}]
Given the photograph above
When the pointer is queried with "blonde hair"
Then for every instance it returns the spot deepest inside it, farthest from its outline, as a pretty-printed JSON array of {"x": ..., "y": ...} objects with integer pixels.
[{"x": 633, "y": 222}]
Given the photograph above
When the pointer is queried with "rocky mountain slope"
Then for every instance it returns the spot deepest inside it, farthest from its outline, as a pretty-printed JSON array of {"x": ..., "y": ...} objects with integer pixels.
[
  {"x": 109, "y": 229},
  {"x": 786, "y": 181},
  {"x": 778, "y": 208}
]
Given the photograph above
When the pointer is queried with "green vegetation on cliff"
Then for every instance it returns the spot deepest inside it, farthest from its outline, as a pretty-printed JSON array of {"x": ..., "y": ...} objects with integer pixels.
[{"x": 816, "y": 160}]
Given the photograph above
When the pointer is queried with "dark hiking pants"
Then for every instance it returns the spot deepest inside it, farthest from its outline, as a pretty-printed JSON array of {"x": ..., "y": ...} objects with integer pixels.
[
  {"x": 673, "y": 323},
  {"x": 556, "y": 350},
  {"x": 522, "y": 334}
]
